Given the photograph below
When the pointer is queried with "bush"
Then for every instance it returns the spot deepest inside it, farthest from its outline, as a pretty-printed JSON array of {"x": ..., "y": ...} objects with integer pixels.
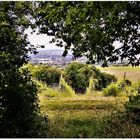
[
  {"x": 44, "y": 73},
  {"x": 122, "y": 87},
  {"x": 124, "y": 84},
  {"x": 111, "y": 90},
  {"x": 104, "y": 80},
  {"x": 133, "y": 107},
  {"x": 91, "y": 87},
  {"x": 63, "y": 86},
  {"x": 39, "y": 71},
  {"x": 128, "y": 82},
  {"x": 19, "y": 106},
  {"x": 78, "y": 75},
  {"x": 52, "y": 76}
]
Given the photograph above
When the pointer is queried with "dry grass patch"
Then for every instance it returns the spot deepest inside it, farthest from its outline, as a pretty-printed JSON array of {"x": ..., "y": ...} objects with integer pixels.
[{"x": 132, "y": 73}]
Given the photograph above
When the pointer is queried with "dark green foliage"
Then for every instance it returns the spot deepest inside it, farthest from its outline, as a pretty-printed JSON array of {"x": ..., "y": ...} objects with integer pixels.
[
  {"x": 53, "y": 76},
  {"x": 78, "y": 74},
  {"x": 18, "y": 93},
  {"x": 39, "y": 72},
  {"x": 19, "y": 105},
  {"x": 92, "y": 28},
  {"x": 104, "y": 79},
  {"x": 133, "y": 108},
  {"x": 49, "y": 75},
  {"x": 128, "y": 82}
]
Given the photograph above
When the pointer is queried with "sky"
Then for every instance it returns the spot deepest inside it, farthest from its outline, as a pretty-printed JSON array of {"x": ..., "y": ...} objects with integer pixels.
[{"x": 43, "y": 39}]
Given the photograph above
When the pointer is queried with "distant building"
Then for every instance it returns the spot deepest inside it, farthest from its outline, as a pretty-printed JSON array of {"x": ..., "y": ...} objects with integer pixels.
[{"x": 54, "y": 57}]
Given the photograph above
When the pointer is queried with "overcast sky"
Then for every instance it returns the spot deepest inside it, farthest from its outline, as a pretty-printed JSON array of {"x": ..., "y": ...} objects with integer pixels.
[{"x": 44, "y": 40}]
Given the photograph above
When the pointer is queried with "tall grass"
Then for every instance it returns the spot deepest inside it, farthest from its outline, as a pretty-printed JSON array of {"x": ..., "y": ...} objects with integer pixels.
[
  {"x": 91, "y": 88},
  {"x": 79, "y": 118},
  {"x": 74, "y": 125},
  {"x": 65, "y": 88}
]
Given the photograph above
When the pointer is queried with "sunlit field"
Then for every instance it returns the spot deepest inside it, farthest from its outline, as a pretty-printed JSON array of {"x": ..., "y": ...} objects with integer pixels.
[
  {"x": 132, "y": 73},
  {"x": 81, "y": 116},
  {"x": 92, "y": 114}
]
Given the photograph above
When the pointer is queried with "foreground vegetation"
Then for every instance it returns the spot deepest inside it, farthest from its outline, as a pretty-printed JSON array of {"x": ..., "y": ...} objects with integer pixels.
[
  {"x": 86, "y": 116},
  {"x": 93, "y": 115}
]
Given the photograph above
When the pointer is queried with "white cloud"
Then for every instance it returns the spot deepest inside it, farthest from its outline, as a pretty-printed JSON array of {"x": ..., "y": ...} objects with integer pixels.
[{"x": 41, "y": 39}]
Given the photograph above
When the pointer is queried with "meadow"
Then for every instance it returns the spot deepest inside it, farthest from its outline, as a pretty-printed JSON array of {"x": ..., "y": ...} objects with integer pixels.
[
  {"x": 132, "y": 73},
  {"x": 80, "y": 116},
  {"x": 85, "y": 116},
  {"x": 93, "y": 115}
]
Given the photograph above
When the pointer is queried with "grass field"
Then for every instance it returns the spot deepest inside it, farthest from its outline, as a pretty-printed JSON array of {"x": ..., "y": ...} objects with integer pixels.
[
  {"x": 80, "y": 116},
  {"x": 132, "y": 73},
  {"x": 89, "y": 116}
]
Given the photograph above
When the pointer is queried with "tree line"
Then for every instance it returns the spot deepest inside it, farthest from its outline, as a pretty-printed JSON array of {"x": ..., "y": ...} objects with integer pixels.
[{"x": 76, "y": 74}]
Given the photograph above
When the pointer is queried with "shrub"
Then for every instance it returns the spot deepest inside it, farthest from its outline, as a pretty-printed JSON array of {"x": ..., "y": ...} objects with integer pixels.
[
  {"x": 63, "y": 86},
  {"x": 39, "y": 71},
  {"x": 52, "y": 76},
  {"x": 78, "y": 75},
  {"x": 44, "y": 73},
  {"x": 111, "y": 90},
  {"x": 104, "y": 80},
  {"x": 124, "y": 84},
  {"x": 133, "y": 106},
  {"x": 18, "y": 93},
  {"x": 91, "y": 87},
  {"x": 128, "y": 82},
  {"x": 19, "y": 106}
]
